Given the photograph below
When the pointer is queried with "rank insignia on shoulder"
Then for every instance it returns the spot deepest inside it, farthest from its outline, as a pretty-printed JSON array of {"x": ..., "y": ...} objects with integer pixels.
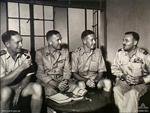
[
  {"x": 144, "y": 51},
  {"x": 2, "y": 52},
  {"x": 77, "y": 50},
  {"x": 120, "y": 49}
]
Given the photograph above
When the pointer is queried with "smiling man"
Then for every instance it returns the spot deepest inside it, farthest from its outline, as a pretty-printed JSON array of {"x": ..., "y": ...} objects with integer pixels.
[
  {"x": 15, "y": 64},
  {"x": 88, "y": 64},
  {"x": 132, "y": 68}
]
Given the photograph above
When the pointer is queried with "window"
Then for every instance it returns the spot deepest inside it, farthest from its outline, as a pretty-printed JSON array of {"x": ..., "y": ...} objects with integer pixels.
[
  {"x": 19, "y": 20},
  {"x": 76, "y": 21},
  {"x": 95, "y": 25},
  {"x": 43, "y": 22}
]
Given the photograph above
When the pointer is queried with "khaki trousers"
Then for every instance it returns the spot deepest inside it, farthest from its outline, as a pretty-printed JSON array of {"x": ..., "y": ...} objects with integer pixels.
[{"x": 128, "y": 102}]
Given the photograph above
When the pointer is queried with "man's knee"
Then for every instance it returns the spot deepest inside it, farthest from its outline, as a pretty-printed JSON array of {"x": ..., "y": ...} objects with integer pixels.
[
  {"x": 6, "y": 93},
  {"x": 116, "y": 89},
  {"x": 37, "y": 89},
  {"x": 107, "y": 84},
  {"x": 134, "y": 92}
]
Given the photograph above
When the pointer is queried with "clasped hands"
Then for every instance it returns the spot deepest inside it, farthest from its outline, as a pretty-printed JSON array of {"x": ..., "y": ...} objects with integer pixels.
[
  {"x": 131, "y": 80},
  {"x": 63, "y": 85},
  {"x": 91, "y": 83}
]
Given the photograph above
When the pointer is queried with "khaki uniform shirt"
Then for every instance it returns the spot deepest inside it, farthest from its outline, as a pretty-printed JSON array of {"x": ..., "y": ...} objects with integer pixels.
[
  {"x": 8, "y": 64},
  {"x": 136, "y": 65},
  {"x": 52, "y": 65},
  {"x": 89, "y": 63}
]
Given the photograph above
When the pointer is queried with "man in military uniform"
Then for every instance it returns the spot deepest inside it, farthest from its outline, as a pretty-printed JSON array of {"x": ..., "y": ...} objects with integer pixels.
[
  {"x": 54, "y": 70},
  {"x": 88, "y": 64},
  {"x": 132, "y": 68},
  {"x": 14, "y": 74}
]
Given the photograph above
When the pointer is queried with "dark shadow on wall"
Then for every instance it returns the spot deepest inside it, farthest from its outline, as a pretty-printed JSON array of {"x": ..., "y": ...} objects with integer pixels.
[
  {"x": 108, "y": 65},
  {"x": 111, "y": 108}
]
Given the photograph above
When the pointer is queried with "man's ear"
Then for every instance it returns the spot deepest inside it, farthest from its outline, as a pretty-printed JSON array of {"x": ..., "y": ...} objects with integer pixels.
[
  {"x": 50, "y": 42},
  {"x": 84, "y": 41},
  {"x": 135, "y": 42},
  {"x": 7, "y": 44}
]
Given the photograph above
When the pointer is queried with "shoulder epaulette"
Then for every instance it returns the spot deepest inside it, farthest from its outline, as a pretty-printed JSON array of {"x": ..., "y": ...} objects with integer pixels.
[
  {"x": 77, "y": 49},
  {"x": 2, "y": 52},
  {"x": 144, "y": 51},
  {"x": 119, "y": 49}
]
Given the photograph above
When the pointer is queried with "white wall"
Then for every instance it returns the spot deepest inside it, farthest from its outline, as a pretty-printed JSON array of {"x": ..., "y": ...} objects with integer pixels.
[
  {"x": 76, "y": 27},
  {"x": 61, "y": 22},
  {"x": 126, "y": 15},
  {"x": 2, "y": 21}
]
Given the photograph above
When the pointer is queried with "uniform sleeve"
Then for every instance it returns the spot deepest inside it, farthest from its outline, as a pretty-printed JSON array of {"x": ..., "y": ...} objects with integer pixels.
[
  {"x": 2, "y": 68},
  {"x": 116, "y": 70},
  {"x": 41, "y": 75},
  {"x": 147, "y": 61},
  {"x": 67, "y": 67},
  {"x": 74, "y": 62},
  {"x": 101, "y": 64}
]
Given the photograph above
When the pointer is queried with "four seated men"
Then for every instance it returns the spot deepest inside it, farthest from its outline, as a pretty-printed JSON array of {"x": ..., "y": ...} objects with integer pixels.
[
  {"x": 55, "y": 74},
  {"x": 15, "y": 63}
]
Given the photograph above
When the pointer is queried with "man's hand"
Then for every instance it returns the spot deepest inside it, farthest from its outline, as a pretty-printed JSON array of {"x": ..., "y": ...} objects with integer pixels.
[
  {"x": 90, "y": 83},
  {"x": 130, "y": 79},
  {"x": 52, "y": 83},
  {"x": 26, "y": 64},
  {"x": 17, "y": 95},
  {"x": 138, "y": 80},
  {"x": 63, "y": 85}
]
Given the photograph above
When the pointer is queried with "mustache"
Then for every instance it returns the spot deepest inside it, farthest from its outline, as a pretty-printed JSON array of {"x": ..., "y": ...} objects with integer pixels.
[{"x": 124, "y": 45}]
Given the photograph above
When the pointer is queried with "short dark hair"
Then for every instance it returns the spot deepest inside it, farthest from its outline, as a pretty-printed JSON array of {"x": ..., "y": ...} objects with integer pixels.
[
  {"x": 7, "y": 35},
  {"x": 50, "y": 33},
  {"x": 134, "y": 34},
  {"x": 85, "y": 33}
]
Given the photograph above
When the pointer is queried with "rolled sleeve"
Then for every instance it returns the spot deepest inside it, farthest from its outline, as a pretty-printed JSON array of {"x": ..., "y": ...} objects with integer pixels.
[
  {"x": 74, "y": 62},
  {"x": 147, "y": 61},
  {"x": 101, "y": 66},
  {"x": 116, "y": 70},
  {"x": 67, "y": 67},
  {"x": 2, "y": 67}
]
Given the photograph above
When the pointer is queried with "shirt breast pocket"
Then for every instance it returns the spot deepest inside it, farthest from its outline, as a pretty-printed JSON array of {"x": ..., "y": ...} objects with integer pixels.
[
  {"x": 61, "y": 62},
  {"x": 94, "y": 66}
]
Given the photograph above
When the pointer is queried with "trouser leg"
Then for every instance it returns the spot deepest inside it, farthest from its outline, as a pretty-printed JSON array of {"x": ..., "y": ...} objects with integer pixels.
[
  {"x": 119, "y": 98},
  {"x": 35, "y": 90},
  {"x": 131, "y": 100},
  {"x": 105, "y": 84},
  {"x": 36, "y": 105}
]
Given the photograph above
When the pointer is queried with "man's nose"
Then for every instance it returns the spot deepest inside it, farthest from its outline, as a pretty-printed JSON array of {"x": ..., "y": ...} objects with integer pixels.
[
  {"x": 20, "y": 44},
  {"x": 123, "y": 42},
  {"x": 60, "y": 41},
  {"x": 94, "y": 42}
]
